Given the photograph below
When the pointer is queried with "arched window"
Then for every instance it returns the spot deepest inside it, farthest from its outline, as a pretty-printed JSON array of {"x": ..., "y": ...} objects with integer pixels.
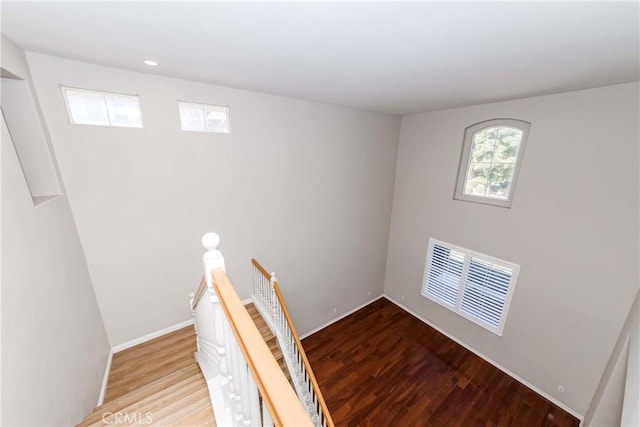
[{"x": 491, "y": 158}]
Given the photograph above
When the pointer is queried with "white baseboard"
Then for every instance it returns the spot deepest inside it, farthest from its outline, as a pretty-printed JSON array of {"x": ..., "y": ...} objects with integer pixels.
[
  {"x": 151, "y": 336},
  {"x": 105, "y": 379},
  {"x": 476, "y": 352},
  {"x": 324, "y": 325},
  {"x": 247, "y": 301}
]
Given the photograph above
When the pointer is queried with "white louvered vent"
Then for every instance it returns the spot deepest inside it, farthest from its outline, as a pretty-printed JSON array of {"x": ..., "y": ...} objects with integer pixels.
[
  {"x": 443, "y": 272},
  {"x": 476, "y": 286}
]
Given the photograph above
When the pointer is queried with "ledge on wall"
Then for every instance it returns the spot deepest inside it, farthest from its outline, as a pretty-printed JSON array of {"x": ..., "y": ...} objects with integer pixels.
[{"x": 22, "y": 124}]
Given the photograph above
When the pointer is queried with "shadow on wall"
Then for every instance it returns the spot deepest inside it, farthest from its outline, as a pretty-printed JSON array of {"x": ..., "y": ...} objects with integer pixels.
[{"x": 616, "y": 400}]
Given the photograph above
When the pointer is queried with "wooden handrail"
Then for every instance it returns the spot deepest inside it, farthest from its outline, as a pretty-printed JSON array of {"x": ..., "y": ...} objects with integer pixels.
[
  {"x": 260, "y": 268},
  {"x": 305, "y": 360},
  {"x": 283, "y": 404},
  {"x": 198, "y": 295}
]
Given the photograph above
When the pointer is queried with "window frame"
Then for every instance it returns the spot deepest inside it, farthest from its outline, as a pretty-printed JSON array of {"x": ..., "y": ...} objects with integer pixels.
[
  {"x": 64, "y": 88},
  {"x": 465, "y": 160},
  {"x": 468, "y": 255},
  {"x": 204, "y": 109}
]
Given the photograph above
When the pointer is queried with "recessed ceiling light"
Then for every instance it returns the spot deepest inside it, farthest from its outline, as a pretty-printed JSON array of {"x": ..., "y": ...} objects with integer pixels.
[{"x": 151, "y": 63}]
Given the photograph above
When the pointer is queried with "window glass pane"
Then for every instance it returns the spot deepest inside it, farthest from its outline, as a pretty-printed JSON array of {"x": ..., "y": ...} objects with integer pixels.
[
  {"x": 508, "y": 145},
  {"x": 492, "y": 161},
  {"x": 477, "y": 178},
  {"x": 86, "y": 107},
  {"x": 203, "y": 117},
  {"x": 124, "y": 110},
  {"x": 217, "y": 119},
  {"x": 484, "y": 143},
  {"x": 192, "y": 117},
  {"x": 500, "y": 177}
]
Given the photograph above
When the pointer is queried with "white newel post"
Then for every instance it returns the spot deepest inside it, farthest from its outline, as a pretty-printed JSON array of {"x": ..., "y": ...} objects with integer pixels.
[
  {"x": 232, "y": 388},
  {"x": 213, "y": 258}
]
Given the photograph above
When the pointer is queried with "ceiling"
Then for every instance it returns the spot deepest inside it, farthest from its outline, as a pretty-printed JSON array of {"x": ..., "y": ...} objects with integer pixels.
[{"x": 393, "y": 57}]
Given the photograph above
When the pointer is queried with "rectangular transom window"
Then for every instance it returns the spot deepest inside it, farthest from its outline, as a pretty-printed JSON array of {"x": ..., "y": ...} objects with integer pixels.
[
  {"x": 90, "y": 107},
  {"x": 476, "y": 286},
  {"x": 491, "y": 156},
  {"x": 203, "y": 117}
]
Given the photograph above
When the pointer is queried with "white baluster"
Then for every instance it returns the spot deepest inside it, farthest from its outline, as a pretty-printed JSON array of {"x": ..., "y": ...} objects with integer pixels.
[
  {"x": 195, "y": 324},
  {"x": 245, "y": 393},
  {"x": 266, "y": 295},
  {"x": 255, "y": 282},
  {"x": 229, "y": 356},
  {"x": 266, "y": 416},
  {"x": 273, "y": 298},
  {"x": 254, "y": 400},
  {"x": 238, "y": 364},
  {"x": 220, "y": 320}
]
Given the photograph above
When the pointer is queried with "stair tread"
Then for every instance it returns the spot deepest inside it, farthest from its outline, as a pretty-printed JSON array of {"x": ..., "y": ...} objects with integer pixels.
[
  {"x": 178, "y": 378},
  {"x": 275, "y": 348},
  {"x": 161, "y": 404},
  {"x": 197, "y": 412},
  {"x": 257, "y": 318},
  {"x": 168, "y": 408}
]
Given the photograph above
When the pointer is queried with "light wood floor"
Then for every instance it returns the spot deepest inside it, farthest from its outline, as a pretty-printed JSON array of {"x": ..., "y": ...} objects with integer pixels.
[
  {"x": 150, "y": 361},
  {"x": 162, "y": 379},
  {"x": 381, "y": 366},
  {"x": 156, "y": 383}
]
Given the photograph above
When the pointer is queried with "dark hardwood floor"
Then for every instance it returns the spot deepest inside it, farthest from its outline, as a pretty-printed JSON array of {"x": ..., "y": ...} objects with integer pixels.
[{"x": 381, "y": 367}]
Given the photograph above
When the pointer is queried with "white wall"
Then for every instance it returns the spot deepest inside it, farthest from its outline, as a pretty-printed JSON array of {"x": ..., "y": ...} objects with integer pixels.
[
  {"x": 631, "y": 402},
  {"x": 615, "y": 401},
  {"x": 54, "y": 345},
  {"x": 573, "y": 228},
  {"x": 306, "y": 188}
]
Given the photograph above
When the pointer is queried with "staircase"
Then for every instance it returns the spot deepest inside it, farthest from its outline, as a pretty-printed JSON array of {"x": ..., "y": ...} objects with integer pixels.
[
  {"x": 269, "y": 338},
  {"x": 178, "y": 396},
  {"x": 240, "y": 370},
  {"x": 270, "y": 303},
  {"x": 156, "y": 383}
]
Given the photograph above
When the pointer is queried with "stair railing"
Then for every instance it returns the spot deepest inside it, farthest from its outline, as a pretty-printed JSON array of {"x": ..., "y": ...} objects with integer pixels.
[
  {"x": 245, "y": 382},
  {"x": 268, "y": 300}
]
